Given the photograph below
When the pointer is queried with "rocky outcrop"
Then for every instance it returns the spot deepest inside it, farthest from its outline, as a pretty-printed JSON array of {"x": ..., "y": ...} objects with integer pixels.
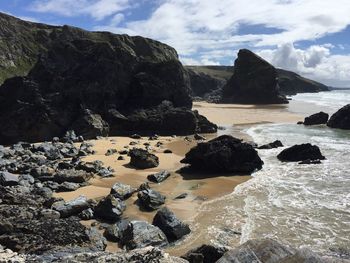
[
  {"x": 110, "y": 208},
  {"x": 340, "y": 119},
  {"x": 302, "y": 152},
  {"x": 224, "y": 154},
  {"x": 254, "y": 82},
  {"x": 271, "y": 145},
  {"x": 94, "y": 83},
  {"x": 316, "y": 119},
  {"x": 291, "y": 83},
  {"x": 158, "y": 177},
  {"x": 205, "y": 254},
  {"x": 150, "y": 199}
]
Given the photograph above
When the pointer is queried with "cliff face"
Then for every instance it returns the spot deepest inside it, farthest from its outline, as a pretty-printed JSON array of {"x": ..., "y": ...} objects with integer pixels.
[
  {"x": 292, "y": 83},
  {"x": 95, "y": 79},
  {"x": 254, "y": 81}
]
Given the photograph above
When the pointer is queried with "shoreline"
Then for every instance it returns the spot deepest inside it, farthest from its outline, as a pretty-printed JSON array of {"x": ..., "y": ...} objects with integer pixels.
[{"x": 236, "y": 118}]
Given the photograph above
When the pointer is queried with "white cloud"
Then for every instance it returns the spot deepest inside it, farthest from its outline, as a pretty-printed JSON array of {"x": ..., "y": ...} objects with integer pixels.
[
  {"x": 98, "y": 9},
  {"x": 315, "y": 62}
]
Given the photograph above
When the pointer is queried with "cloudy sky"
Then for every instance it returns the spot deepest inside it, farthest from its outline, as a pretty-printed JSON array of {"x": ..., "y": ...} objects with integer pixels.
[{"x": 311, "y": 37}]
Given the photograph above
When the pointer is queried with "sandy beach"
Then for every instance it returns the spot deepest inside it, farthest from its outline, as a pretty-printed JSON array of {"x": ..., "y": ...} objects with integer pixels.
[{"x": 200, "y": 190}]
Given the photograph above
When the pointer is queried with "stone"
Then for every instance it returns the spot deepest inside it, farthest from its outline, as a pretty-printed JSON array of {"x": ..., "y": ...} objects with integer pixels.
[
  {"x": 272, "y": 145},
  {"x": 159, "y": 177},
  {"x": 73, "y": 207},
  {"x": 72, "y": 176},
  {"x": 140, "y": 234},
  {"x": 181, "y": 196},
  {"x": 8, "y": 179},
  {"x": 171, "y": 226},
  {"x": 122, "y": 191},
  {"x": 205, "y": 254},
  {"x": 142, "y": 159},
  {"x": 114, "y": 232},
  {"x": 199, "y": 137},
  {"x": 111, "y": 152},
  {"x": 224, "y": 154},
  {"x": 316, "y": 119},
  {"x": 86, "y": 214},
  {"x": 68, "y": 187},
  {"x": 168, "y": 151},
  {"x": 301, "y": 152},
  {"x": 340, "y": 119},
  {"x": 150, "y": 199},
  {"x": 50, "y": 214},
  {"x": 254, "y": 81},
  {"x": 110, "y": 208}
]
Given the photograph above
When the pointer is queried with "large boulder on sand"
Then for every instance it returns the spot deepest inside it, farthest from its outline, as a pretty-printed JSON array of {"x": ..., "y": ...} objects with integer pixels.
[
  {"x": 142, "y": 159},
  {"x": 224, "y": 154},
  {"x": 171, "y": 226},
  {"x": 150, "y": 199},
  {"x": 254, "y": 81},
  {"x": 302, "y": 152},
  {"x": 110, "y": 208},
  {"x": 316, "y": 119},
  {"x": 341, "y": 119}
]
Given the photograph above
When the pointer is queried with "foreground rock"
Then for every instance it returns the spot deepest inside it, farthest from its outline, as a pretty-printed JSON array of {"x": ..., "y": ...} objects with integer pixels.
[
  {"x": 340, "y": 119},
  {"x": 254, "y": 81},
  {"x": 270, "y": 251},
  {"x": 142, "y": 159},
  {"x": 224, "y": 154},
  {"x": 317, "y": 119},
  {"x": 302, "y": 152},
  {"x": 73, "y": 207},
  {"x": 110, "y": 208},
  {"x": 150, "y": 199},
  {"x": 205, "y": 254},
  {"x": 116, "y": 83},
  {"x": 141, "y": 234},
  {"x": 158, "y": 177},
  {"x": 171, "y": 226},
  {"x": 122, "y": 191},
  {"x": 272, "y": 145}
]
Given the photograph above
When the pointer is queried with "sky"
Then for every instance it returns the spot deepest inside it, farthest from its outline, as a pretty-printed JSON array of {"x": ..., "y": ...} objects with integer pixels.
[{"x": 310, "y": 37}]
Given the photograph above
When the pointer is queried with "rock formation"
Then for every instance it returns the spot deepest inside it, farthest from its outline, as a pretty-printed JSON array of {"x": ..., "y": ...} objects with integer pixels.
[
  {"x": 316, "y": 119},
  {"x": 95, "y": 83},
  {"x": 340, "y": 119},
  {"x": 254, "y": 81},
  {"x": 302, "y": 152}
]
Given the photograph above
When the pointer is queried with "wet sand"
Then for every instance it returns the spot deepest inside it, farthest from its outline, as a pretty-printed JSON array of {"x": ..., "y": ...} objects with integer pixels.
[{"x": 200, "y": 189}]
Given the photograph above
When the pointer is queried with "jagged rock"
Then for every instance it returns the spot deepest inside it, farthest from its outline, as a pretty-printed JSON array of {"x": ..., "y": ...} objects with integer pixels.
[
  {"x": 70, "y": 136},
  {"x": 73, "y": 207},
  {"x": 49, "y": 150},
  {"x": 8, "y": 179},
  {"x": 205, "y": 254},
  {"x": 86, "y": 214},
  {"x": 340, "y": 119},
  {"x": 272, "y": 145},
  {"x": 111, "y": 152},
  {"x": 68, "y": 187},
  {"x": 316, "y": 119},
  {"x": 122, "y": 191},
  {"x": 142, "y": 159},
  {"x": 72, "y": 176},
  {"x": 171, "y": 226},
  {"x": 110, "y": 208},
  {"x": 114, "y": 232},
  {"x": 139, "y": 234},
  {"x": 224, "y": 154},
  {"x": 254, "y": 81},
  {"x": 50, "y": 214},
  {"x": 301, "y": 152},
  {"x": 150, "y": 199},
  {"x": 85, "y": 149},
  {"x": 158, "y": 177}
]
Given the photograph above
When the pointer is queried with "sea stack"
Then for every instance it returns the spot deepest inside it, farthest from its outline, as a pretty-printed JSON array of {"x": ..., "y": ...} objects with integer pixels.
[{"x": 254, "y": 81}]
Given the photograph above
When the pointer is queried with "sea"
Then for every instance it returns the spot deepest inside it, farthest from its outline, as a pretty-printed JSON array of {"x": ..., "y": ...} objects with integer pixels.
[{"x": 304, "y": 206}]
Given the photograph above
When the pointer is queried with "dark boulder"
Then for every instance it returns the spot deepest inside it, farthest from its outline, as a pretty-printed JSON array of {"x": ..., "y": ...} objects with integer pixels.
[
  {"x": 110, "y": 208},
  {"x": 171, "y": 226},
  {"x": 141, "y": 234},
  {"x": 340, "y": 119},
  {"x": 302, "y": 152},
  {"x": 254, "y": 81},
  {"x": 122, "y": 191},
  {"x": 73, "y": 207},
  {"x": 224, "y": 154},
  {"x": 150, "y": 199},
  {"x": 158, "y": 177},
  {"x": 272, "y": 145},
  {"x": 205, "y": 254},
  {"x": 264, "y": 250},
  {"x": 8, "y": 179},
  {"x": 115, "y": 232},
  {"x": 142, "y": 159},
  {"x": 71, "y": 175},
  {"x": 316, "y": 119}
]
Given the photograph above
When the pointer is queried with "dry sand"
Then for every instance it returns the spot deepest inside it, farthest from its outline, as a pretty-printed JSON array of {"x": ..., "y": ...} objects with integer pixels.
[{"x": 199, "y": 190}]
